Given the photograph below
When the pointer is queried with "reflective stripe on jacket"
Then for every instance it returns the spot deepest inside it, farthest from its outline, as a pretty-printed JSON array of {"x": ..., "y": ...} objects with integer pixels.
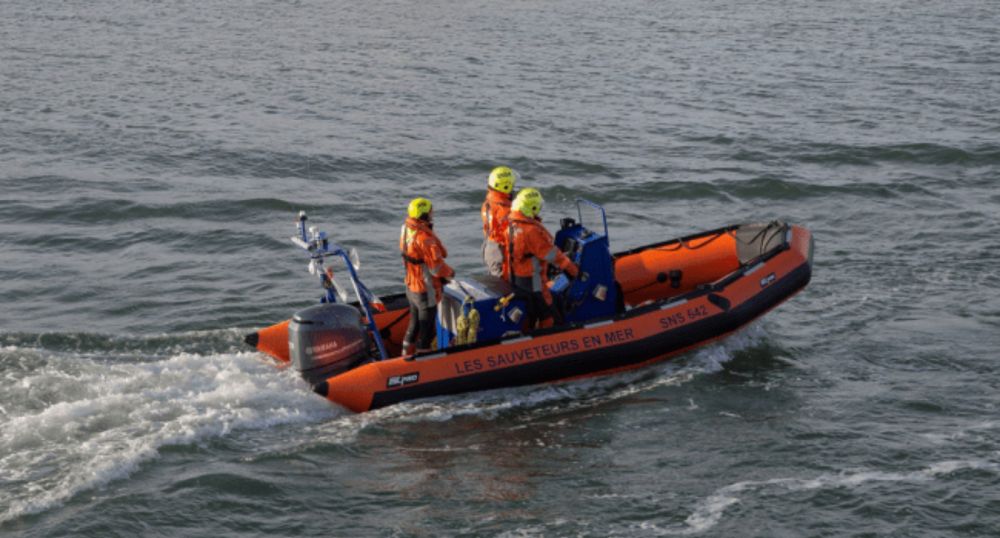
[{"x": 423, "y": 257}]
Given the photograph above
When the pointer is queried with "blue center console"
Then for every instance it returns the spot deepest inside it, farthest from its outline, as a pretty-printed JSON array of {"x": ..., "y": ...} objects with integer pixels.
[{"x": 593, "y": 294}]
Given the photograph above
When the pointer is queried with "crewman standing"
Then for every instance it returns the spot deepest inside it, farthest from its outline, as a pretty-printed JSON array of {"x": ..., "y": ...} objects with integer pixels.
[
  {"x": 426, "y": 273},
  {"x": 495, "y": 212},
  {"x": 533, "y": 249}
]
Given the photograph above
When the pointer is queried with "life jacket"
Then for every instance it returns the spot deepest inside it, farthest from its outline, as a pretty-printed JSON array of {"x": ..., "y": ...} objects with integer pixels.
[
  {"x": 532, "y": 249},
  {"x": 495, "y": 213},
  {"x": 423, "y": 257}
]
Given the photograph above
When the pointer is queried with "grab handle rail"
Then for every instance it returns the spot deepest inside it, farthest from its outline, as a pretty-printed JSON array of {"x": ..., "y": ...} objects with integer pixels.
[{"x": 318, "y": 245}]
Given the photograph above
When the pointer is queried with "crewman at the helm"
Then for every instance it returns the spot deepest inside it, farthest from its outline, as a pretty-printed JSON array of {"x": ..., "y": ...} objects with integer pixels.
[
  {"x": 531, "y": 251},
  {"x": 495, "y": 213},
  {"x": 426, "y": 273}
]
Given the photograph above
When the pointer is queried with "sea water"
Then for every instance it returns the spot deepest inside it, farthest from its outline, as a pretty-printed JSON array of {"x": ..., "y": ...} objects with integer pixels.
[{"x": 154, "y": 156}]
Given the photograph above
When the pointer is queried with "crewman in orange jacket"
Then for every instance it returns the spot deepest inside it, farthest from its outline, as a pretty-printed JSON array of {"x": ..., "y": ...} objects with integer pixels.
[
  {"x": 426, "y": 273},
  {"x": 532, "y": 249},
  {"x": 495, "y": 212}
]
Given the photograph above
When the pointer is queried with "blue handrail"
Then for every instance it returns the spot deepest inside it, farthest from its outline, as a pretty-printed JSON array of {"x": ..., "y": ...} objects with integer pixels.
[{"x": 319, "y": 246}]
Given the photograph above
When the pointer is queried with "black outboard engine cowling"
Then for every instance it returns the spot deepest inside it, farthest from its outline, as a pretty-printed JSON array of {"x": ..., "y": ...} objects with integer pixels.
[{"x": 326, "y": 339}]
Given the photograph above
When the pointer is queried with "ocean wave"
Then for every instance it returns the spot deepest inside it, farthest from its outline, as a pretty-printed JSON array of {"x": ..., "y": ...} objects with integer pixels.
[
  {"x": 111, "y": 347},
  {"x": 91, "y": 210},
  {"x": 771, "y": 188},
  {"x": 922, "y": 153},
  {"x": 710, "y": 511}
]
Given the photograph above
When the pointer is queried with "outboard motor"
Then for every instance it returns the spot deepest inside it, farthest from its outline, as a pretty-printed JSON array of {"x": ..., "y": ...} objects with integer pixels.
[{"x": 326, "y": 339}]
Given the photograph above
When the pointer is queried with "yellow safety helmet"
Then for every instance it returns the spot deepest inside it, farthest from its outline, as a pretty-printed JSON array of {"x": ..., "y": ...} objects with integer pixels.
[
  {"x": 502, "y": 179},
  {"x": 528, "y": 202},
  {"x": 419, "y": 207}
]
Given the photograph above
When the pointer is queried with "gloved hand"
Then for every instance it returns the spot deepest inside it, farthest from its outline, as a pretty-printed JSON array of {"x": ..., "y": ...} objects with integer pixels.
[{"x": 572, "y": 270}]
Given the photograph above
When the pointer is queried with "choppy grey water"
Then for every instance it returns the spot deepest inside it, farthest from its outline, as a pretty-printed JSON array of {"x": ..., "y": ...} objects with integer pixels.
[{"x": 153, "y": 156}]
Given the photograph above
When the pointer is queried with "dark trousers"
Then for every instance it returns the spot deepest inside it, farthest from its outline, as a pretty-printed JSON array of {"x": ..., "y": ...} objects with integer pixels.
[
  {"x": 423, "y": 311},
  {"x": 537, "y": 308}
]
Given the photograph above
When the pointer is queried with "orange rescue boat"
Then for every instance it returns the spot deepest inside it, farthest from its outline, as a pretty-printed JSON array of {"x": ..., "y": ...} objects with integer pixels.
[{"x": 629, "y": 310}]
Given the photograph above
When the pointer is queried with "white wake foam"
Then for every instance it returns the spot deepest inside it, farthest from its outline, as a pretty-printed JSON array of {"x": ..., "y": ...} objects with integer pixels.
[{"x": 92, "y": 422}]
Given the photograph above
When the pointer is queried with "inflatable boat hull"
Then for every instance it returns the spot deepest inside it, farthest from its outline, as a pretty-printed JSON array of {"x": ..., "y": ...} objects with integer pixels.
[{"x": 662, "y": 322}]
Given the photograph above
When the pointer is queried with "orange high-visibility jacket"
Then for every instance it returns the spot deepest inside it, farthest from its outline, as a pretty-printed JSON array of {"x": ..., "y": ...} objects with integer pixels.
[
  {"x": 423, "y": 257},
  {"x": 495, "y": 213},
  {"x": 533, "y": 250}
]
